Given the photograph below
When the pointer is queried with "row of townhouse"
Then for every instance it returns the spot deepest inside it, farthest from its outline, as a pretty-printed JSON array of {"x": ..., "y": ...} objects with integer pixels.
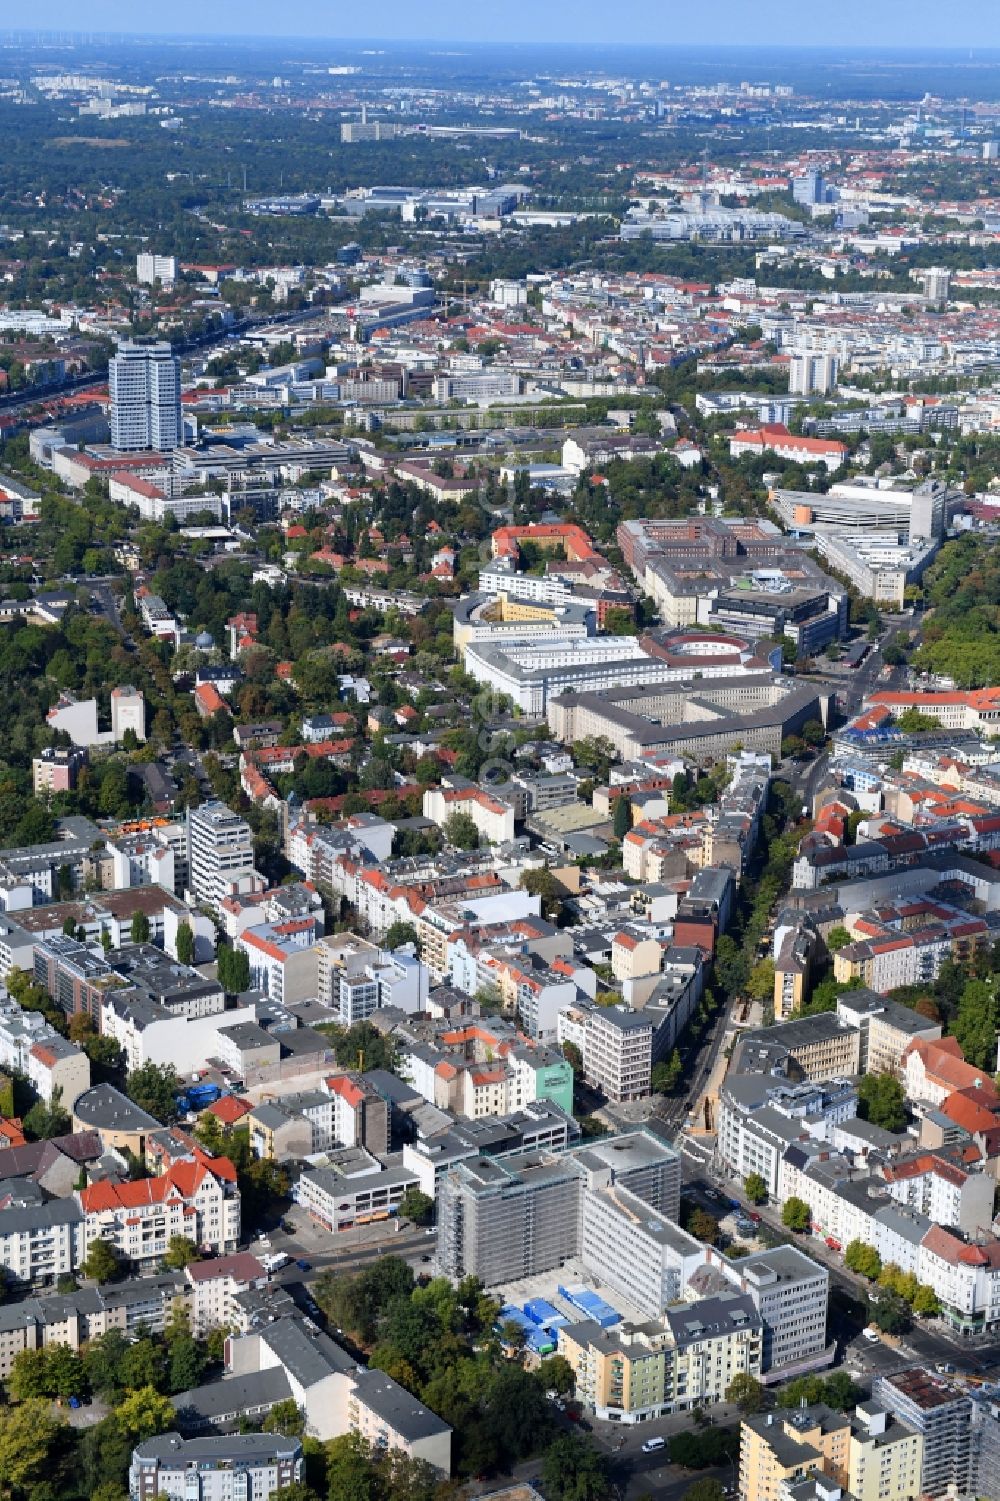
[
  {"x": 344, "y": 1110},
  {"x": 484, "y": 1067},
  {"x": 197, "y": 1198},
  {"x": 209, "y": 1293},
  {"x": 819, "y": 863},
  {"x": 788, "y": 1113},
  {"x": 31, "y": 1047},
  {"x": 927, "y": 1213},
  {"x": 662, "y": 844}
]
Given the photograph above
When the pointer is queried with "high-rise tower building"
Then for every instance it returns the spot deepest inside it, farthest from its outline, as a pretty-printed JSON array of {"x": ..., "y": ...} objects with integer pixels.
[{"x": 145, "y": 385}]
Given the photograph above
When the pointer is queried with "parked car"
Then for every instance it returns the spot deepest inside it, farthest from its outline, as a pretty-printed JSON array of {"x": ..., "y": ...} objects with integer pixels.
[{"x": 302, "y": 1264}]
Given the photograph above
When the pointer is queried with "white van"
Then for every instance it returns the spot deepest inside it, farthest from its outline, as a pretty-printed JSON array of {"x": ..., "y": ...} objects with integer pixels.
[{"x": 652, "y": 1444}]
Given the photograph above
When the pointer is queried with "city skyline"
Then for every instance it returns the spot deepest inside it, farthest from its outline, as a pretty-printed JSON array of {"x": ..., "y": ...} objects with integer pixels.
[{"x": 777, "y": 23}]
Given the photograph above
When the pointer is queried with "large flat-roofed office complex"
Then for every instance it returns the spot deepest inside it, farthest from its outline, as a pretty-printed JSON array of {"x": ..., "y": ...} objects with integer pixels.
[
  {"x": 506, "y": 1220},
  {"x": 503, "y": 1221},
  {"x": 735, "y": 576},
  {"x": 920, "y": 511},
  {"x": 699, "y": 719}
]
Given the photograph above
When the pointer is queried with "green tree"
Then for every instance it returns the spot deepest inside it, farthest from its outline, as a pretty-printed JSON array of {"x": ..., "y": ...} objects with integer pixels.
[
  {"x": 840, "y": 1392},
  {"x": 286, "y": 1417},
  {"x": 154, "y": 1088},
  {"x": 460, "y": 831},
  {"x": 139, "y": 928},
  {"x": 399, "y": 933},
  {"x": 622, "y": 821},
  {"x": 890, "y": 1313},
  {"x": 47, "y": 1119},
  {"x": 557, "y": 1375},
  {"x": 746, "y": 1392},
  {"x": 100, "y": 1262},
  {"x": 210, "y": 1134},
  {"x": 29, "y": 1375},
  {"x": 143, "y": 1413},
  {"x": 185, "y": 943},
  {"x": 28, "y": 1434},
  {"x": 180, "y": 1253},
  {"x": 233, "y": 969},
  {"x": 417, "y": 1206},
  {"x": 572, "y": 1470},
  {"x": 760, "y": 984},
  {"x": 697, "y": 1451},
  {"x": 64, "y": 1372},
  {"x": 186, "y": 1365},
  {"x": 882, "y": 1100},
  {"x": 808, "y": 1389},
  {"x": 143, "y": 1364},
  {"x": 755, "y": 1188},
  {"x": 796, "y": 1214},
  {"x": 703, "y": 1226},
  {"x": 665, "y": 1077},
  {"x": 542, "y": 883},
  {"x": 102, "y": 1362},
  {"x": 863, "y": 1259},
  {"x": 977, "y": 1022},
  {"x": 837, "y": 938},
  {"x": 704, "y": 1490},
  {"x": 926, "y": 1302}
]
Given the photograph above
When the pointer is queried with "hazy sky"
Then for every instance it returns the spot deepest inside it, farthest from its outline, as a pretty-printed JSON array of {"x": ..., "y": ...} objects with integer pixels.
[{"x": 899, "y": 23}]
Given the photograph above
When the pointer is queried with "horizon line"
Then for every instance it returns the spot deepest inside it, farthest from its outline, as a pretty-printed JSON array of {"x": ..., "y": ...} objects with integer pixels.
[{"x": 24, "y": 33}]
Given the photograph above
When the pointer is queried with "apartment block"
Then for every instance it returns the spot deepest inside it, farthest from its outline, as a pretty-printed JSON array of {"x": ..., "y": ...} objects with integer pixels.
[
  {"x": 886, "y": 1029},
  {"x": 686, "y": 1359},
  {"x": 133, "y": 1305},
  {"x": 778, "y": 1448},
  {"x": 504, "y": 1220},
  {"x": 811, "y": 1047},
  {"x": 941, "y": 1413},
  {"x": 885, "y": 1456},
  {"x": 790, "y": 1292},
  {"x": 219, "y": 854},
  {"x": 618, "y": 1052},
  {"x": 284, "y": 1360},
  {"x": 197, "y": 1198},
  {"x": 635, "y": 1250},
  {"x": 213, "y": 1285},
  {"x": 236, "y": 1467},
  {"x": 39, "y": 1243}
]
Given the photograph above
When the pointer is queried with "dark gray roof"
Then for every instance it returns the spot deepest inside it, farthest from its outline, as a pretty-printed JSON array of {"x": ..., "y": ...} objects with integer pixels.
[
  {"x": 307, "y": 1357},
  {"x": 40, "y": 1216},
  {"x": 399, "y": 1408},
  {"x": 236, "y": 1447},
  {"x": 105, "y": 1108},
  {"x": 235, "y": 1395}
]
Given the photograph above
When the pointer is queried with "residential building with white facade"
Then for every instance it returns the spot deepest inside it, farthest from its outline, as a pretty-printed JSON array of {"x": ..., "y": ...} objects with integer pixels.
[{"x": 236, "y": 1467}]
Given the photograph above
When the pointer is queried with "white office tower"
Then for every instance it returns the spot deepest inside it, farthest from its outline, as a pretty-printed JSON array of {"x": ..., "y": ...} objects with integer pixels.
[
  {"x": 812, "y": 374},
  {"x": 150, "y": 268},
  {"x": 937, "y": 285},
  {"x": 220, "y": 853},
  {"x": 145, "y": 386}
]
